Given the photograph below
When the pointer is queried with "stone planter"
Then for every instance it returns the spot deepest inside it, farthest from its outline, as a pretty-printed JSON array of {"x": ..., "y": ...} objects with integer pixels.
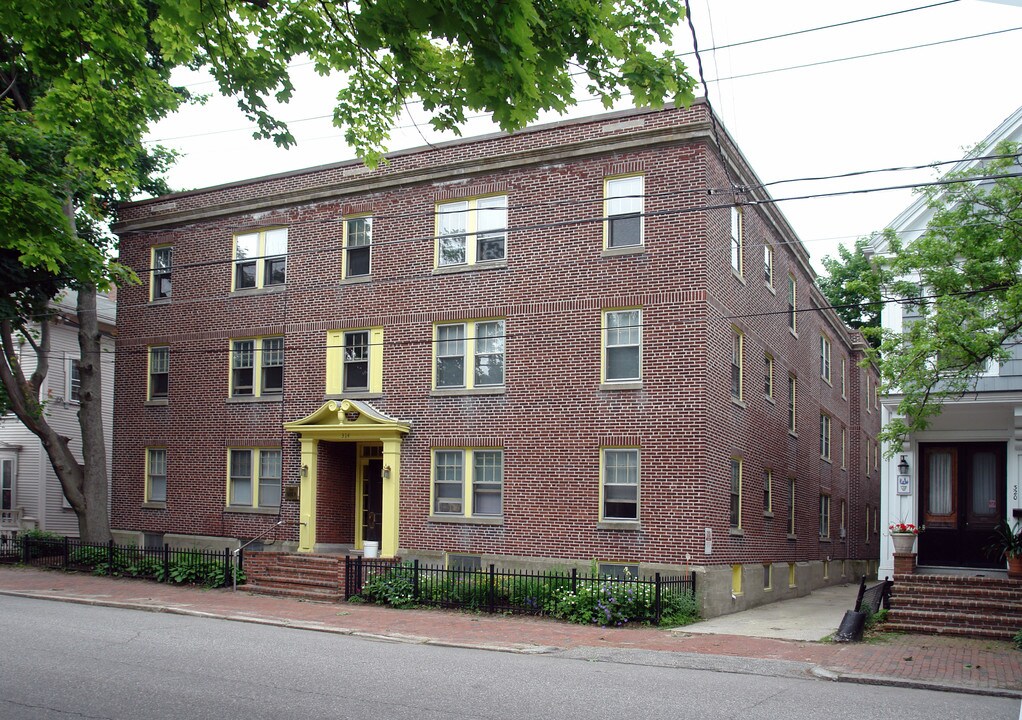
[{"x": 903, "y": 542}]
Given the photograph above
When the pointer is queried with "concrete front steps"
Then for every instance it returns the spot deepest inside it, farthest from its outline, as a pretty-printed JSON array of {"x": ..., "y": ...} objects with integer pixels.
[
  {"x": 980, "y": 607},
  {"x": 309, "y": 577}
]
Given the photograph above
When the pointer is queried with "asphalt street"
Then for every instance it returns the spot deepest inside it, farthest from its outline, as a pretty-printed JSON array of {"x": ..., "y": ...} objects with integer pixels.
[{"x": 74, "y": 661}]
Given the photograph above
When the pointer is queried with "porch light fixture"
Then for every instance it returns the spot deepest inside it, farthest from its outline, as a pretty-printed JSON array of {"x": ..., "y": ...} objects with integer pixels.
[
  {"x": 903, "y": 466},
  {"x": 386, "y": 472},
  {"x": 305, "y": 471}
]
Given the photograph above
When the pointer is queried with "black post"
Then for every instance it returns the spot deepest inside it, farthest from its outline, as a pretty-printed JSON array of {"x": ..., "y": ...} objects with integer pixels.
[
  {"x": 166, "y": 562},
  {"x": 657, "y": 612},
  {"x": 491, "y": 591},
  {"x": 25, "y": 542},
  {"x": 574, "y": 580},
  {"x": 110, "y": 557},
  {"x": 356, "y": 586},
  {"x": 862, "y": 593},
  {"x": 67, "y": 553},
  {"x": 227, "y": 567},
  {"x": 415, "y": 580}
]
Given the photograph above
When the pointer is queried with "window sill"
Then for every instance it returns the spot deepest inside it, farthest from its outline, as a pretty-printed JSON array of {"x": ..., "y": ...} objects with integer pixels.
[
  {"x": 826, "y": 460},
  {"x": 242, "y": 510},
  {"x": 738, "y": 275},
  {"x": 154, "y": 506},
  {"x": 625, "y": 250},
  {"x": 736, "y": 532},
  {"x": 769, "y": 399},
  {"x": 160, "y": 301},
  {"x": 458, "y": 392},
  {"x": 770, "y": 288},
  {"x": 738, "y": 402},
  {"x": 792, "y": 536},
  {"x": 157, "y": 402},
  {"x": 632, "y": 525},
  {"x": 267, "y": 290},
  {"x": 825, "y": 540},
  {"x": 357, "y": 280},
  {"x": 793, "y": 434},
  {"x": 768, "y": 514},
  {"x": 248, "y": 399},
  {"x": 354, "y": 395},
  {"x": 631, "y": 385},
  {"x": 488, "y": 265},
  {"x": 794, "y": 333},
  {"x": 462, "y": 520}
]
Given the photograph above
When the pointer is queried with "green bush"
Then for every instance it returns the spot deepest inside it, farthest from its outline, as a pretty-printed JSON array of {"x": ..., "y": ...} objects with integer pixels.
[
  {"x": 873, "y": 619},
  {"x": 1017, "y": 640},
  {"x": 394, "y": 587}
]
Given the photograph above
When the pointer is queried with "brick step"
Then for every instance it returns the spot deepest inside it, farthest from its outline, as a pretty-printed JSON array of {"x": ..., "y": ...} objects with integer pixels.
[
  {"x": 955, "y": 619},
  {"x": 292, "y": 592},
  {"x": 306, "y": 561},
  {"x": 919, "y": 628},
  {"x": 944, "y": 581},
  {"x": 993, "y": 606},
  {"x": 312, "y": 570},
  {"x": 285, "y": 580},
  {"x": 908, "y": 587}
]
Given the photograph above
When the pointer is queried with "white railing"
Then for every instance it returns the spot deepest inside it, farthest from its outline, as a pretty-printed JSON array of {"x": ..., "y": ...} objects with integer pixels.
[{"x": 10, "y": 520}]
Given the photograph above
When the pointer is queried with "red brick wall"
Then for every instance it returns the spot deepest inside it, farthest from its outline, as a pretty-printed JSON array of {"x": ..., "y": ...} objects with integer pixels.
[{"x": 553, "y": 417}]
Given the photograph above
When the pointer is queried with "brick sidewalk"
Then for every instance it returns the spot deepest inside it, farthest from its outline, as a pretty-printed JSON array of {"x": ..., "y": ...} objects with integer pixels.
[{"x": 966, "y": 665}]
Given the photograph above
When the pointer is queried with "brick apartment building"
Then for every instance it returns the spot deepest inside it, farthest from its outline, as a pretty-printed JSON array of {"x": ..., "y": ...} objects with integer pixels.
[{"x": 568, "y": 344}]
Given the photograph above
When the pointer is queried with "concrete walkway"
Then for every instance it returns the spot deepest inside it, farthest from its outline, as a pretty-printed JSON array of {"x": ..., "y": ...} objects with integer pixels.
[
  {"x": 811, "y": 618},
  {"x": 937, "y": 663}
]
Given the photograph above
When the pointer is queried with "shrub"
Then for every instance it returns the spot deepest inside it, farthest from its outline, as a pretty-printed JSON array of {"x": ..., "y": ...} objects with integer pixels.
[
  {"x": 394, "y": 587},
  {"x": 1017, "y": 640}
]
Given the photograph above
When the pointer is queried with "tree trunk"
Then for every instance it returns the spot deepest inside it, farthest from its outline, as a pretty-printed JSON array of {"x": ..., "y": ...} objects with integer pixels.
[{"x": 93, "y": 517}]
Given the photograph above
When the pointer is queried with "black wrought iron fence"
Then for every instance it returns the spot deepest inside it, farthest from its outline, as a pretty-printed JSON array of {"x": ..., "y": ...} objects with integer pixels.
[
  {"x": 213, "y": 568},
  {"x": 645, "y": 599}
]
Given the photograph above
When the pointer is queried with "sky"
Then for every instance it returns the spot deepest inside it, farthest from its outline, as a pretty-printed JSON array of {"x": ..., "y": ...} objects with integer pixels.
[{"x": 844, "y": 114}]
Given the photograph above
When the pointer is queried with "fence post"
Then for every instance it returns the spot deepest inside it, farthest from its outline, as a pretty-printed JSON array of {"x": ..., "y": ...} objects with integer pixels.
[
  {"x": 67, "y": 553},
  {"x": 228, "y": 564},
  {"x": 25, "y": 542},
  {"x": 657, "y": 610},
  {"x": 166, "y": 562},
  {"x": 110, "y": 557},
  {"x": 415, "y": 580},
  {"x": 357, "y": 585},
  {"x": 491, "y": 590},
  {"x": 574, "y": 580}
]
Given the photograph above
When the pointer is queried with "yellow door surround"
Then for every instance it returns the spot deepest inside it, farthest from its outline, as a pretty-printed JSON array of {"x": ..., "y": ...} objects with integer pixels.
[{"x": 350, "y": 421}]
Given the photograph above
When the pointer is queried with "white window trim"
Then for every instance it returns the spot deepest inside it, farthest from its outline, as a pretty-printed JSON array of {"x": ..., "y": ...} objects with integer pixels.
[
  {"x": 69, "y": 363},
  {"x": 608, "y": 198},
  {"x": 259, "y": 259},
  {"x": 345, "y": 272}
]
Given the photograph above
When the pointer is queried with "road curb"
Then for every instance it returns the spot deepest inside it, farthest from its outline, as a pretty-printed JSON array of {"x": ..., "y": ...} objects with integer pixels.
[{"x": 835, "y": 675}]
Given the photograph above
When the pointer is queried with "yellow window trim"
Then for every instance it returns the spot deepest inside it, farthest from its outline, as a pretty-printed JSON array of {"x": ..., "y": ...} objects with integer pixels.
[
  {"x": 471, "y": 228},
  {"x": 147, "y": 488},
  {"x": 737, "y": 221},
  {"x": 638, "y": 484},
  {"x": 741, "y": 481},
  {"x": 770, "y": 374},
  {"x": 149, "y": 368},
  {"x": 254, "y": 451},
  {"x": 260, "y": 257},
  {"x": 737, "y": 333},
  {"x": 793, "y": 301},
  {"x": 736, "y": 579},
  {"x": 257, "y": 364},
  {"x": 335, "y": 360},
  {"x": 768, "y": 479},
  {"x": 825, "y": 357},
  {"x": 792, "y": 580},
  {"x": 603, "y": 342},
  {"x": 469, "y": 355},
  {"x": 606, "y": 207},
  {"x": 467, "y": 479}
]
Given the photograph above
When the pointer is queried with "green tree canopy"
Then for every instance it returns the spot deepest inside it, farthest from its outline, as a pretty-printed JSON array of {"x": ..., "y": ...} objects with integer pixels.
[
  {"x": 961, "y": 281},
  {"x": 851, "y": 287}
]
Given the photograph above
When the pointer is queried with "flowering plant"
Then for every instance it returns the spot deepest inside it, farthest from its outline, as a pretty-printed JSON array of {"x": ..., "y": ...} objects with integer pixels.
[{"x": 904, "y": 527}]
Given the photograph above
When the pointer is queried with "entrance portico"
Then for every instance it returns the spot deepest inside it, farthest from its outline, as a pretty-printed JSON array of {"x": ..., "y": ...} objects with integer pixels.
[{"x": 358, "y": 422}]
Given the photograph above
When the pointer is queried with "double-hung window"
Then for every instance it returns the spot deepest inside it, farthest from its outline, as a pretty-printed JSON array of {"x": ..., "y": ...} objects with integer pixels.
[
  {"x": 257, "y": 367},
  {"x": 620, "y": 484},
  {"x": 792, "y": 303},
  {"x": 471, "y": 231},
  {"x": 260, "y": 259},
  {"x": 469, "y": 355},
  {"x": 253, "y": 478},
  {"x": 623, "y": 208},
  {"x": 160, "y": 281},
  {"x": 791, "y": 506},
  {"x": 622, "y": 345},
  {"x": 825, "y": 358},
  {"x": 768, "y": 491},
  {"x": 825, "y": 516},
  {"x": 73, "y": 391},
  {"x": 354, "y": 361},
  {"x": 768, "y": 375},
  {"x": 825, "y": 423},
  {"x": 768, "y": 264},
  {"x": 737, "y": 241},
  {"x": 159, "y": 372},
  {"x": 358, "y": 240},
  {"x": 468, "y": 482},
  {"x": 156, "y": 475},
  {"x": 736, "y": 493},
  {"x": 737, "y": 354},
  {"x": 792, "y": 393}
]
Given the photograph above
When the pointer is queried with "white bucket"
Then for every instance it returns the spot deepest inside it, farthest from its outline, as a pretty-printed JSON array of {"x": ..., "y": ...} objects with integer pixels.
[{"x": 371, "y": 549}]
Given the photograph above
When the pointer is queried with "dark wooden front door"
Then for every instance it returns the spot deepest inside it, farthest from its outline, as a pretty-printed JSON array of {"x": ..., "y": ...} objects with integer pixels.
[{"x": 961, "y": 499}]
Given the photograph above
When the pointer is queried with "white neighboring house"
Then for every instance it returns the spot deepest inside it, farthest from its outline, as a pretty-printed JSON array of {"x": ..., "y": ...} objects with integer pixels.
[
  {"x": 30, "y": 494},
  {"x": 963, "y": 472}
]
